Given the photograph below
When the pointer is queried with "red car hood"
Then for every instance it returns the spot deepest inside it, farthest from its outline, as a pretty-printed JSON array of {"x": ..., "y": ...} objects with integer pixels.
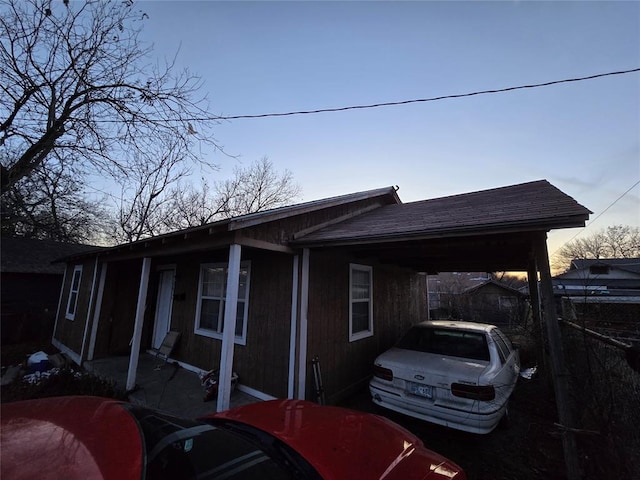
[
  {"x": 342, "y": 443},
  {"x": 70, "y": 438}
]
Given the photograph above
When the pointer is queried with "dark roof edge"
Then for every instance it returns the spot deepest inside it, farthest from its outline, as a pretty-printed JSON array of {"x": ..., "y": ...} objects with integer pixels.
[
  {"x": 252, "y": 219},
  {"x": 243, "y": 221},
  {"x": 542, "y": 225}
]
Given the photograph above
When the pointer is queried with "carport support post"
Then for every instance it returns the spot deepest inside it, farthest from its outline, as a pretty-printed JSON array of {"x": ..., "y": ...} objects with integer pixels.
[
  {"x": 229, "y": 332},
  {"x": 558, "y": 368},
  {"x": 137, "y": 328}
]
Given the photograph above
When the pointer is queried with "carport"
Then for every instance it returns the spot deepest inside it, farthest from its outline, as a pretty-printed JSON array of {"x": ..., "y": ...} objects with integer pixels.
[{"x": 503, "y": 229}]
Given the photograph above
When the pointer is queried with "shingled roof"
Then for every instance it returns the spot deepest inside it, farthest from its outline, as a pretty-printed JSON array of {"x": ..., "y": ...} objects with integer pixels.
[
  {"x": 529, "y": 206},
  {"x": 28, "y": 255}
]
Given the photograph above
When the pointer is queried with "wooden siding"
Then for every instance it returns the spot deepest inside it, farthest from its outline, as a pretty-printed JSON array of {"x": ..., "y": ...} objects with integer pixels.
[
  {"x": 282, "y": 231},
  {"x": 118, "y": 312},
  {"x": 71, "y": 332},
  {"x": 262, "y": 363},
  {"x": 399, "y": 300}
]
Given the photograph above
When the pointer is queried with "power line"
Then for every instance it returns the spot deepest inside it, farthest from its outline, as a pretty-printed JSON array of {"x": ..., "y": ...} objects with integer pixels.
[
  {"x": 423, "y": 100},
  {"x": 597, "y": 217}
]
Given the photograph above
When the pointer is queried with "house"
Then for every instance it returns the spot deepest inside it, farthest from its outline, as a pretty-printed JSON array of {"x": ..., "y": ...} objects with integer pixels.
[
  {"x": 603, "y": 292},
  {"x": 337, "y": 279},
  {"x": 30, "y": 286},
  {"x": 445, "y": 288},
  {"x": 496, "y": 303}
]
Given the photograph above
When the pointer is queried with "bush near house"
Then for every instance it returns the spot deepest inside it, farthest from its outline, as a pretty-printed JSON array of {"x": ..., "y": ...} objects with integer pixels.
[{"x": 68, "y": 380}]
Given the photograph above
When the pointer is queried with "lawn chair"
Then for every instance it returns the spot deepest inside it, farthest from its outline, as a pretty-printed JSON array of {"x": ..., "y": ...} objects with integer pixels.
[{"x": 167, "y": 347}]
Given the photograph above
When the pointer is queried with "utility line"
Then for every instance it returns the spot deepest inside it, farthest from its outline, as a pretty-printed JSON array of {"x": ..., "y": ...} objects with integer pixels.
[
  {"x": 597, "y": 217},
  {"x": 422, "y": 100}
]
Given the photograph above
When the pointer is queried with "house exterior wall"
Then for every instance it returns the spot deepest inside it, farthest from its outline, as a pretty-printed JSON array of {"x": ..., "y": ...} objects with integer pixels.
[
  {"x": 584, "y": 276},
  {"x": 262, "y": 363},
  {"x": 71, "y": 332},
  {"x": 117, "y": 315},
  {"x": 29, "y": 303},
  {"x": 280, "y": 231},
  {"x": 399, "y": 300}
]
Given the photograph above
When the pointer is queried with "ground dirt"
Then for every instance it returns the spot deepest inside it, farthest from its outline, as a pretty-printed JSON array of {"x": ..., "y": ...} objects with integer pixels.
[{"x": 528, "y": 446}]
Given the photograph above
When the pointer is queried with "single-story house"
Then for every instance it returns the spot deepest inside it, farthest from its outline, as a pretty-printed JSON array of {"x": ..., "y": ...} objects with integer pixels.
[
  {"x": 337, "y": 279},
  {"x": 602, "y": 292},
  {"x": 494, "y": 302},
  {"x": 30, "y": 286}
]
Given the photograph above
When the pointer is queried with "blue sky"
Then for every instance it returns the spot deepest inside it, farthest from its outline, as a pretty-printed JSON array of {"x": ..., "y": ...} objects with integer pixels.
[{"x": 263, "y": 57}]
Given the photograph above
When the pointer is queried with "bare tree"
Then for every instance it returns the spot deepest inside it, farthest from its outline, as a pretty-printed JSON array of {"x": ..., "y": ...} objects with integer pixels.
[
  {"x": 76, "y": 78},
  {"x": 255, "y": 188},
  {"x": 145, "y": 191},
  {"x": 52, "y": 203},
  {"x": 617, "y": 241}
]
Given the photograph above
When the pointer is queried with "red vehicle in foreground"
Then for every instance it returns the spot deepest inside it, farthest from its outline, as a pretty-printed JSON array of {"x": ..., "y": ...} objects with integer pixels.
[{"x": 96, "y": 438}]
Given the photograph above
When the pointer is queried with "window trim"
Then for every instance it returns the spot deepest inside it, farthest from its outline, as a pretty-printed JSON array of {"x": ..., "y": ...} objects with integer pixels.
[
  {"x": 205, "y": 332},
  {"x": 71, "y": 315},
  {"x": 363, "y": 333}
]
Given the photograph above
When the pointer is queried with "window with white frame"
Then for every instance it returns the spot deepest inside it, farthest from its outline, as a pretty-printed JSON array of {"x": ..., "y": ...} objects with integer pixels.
[
  {"x": 72, "y": 302},
  {"x": 360, "y": 302},
  {"x": 212, "y": 291}
]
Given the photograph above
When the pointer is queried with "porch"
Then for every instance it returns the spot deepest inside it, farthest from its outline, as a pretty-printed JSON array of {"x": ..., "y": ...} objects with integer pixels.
[{"x": 163, "y": 386}]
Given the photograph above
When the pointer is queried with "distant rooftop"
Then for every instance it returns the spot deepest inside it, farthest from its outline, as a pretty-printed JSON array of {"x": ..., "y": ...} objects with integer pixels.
[{"x": 27, "y": 255}]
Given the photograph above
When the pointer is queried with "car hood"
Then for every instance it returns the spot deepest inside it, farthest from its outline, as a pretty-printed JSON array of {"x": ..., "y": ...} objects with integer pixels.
[
  {"x": 71, "y": 438},
  {"x": 342, "y": 443},
  {"x": 431, "y": 368}
]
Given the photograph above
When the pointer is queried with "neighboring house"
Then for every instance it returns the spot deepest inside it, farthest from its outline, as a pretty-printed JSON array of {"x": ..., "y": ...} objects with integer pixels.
[
  {"x": 444, "y": 290},
  {"x": 600, "y": 276},
  {"x": 30, "y": 286},
  {"x": 604, "y": 291},
  {"x": 495, "y": 303},
  {"x": 263, "y": 294}
]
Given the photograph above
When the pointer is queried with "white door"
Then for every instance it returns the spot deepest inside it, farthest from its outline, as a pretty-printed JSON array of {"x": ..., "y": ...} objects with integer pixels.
[{"x": 164, "y": 304}]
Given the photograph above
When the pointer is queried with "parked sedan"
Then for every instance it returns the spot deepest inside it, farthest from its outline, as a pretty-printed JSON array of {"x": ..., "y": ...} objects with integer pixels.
[
  {"x": 96, "y": 438},
  {"x": 456, "y": 374}
]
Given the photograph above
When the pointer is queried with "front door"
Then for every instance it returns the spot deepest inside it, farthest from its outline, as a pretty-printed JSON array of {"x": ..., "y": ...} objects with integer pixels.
[{"x": 164, "y": 304}]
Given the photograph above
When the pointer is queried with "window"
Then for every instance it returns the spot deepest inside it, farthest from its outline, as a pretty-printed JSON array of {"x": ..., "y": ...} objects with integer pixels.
[
  {"x": 502, "y": 344},
  {"x": 72, "y": 303},
  {"x": 212, "y": 291},
  {"x": 360, "y": 302},
  {"x": 599, "y": 269}
]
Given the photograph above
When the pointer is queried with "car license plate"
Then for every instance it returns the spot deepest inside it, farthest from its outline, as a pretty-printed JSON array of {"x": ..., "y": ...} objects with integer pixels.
[{"x": 421, "y": 390}]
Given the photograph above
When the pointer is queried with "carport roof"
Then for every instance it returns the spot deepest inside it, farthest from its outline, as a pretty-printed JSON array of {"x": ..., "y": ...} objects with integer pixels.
[
  {"x": 532, "y": 206},
  {"x": 485, "y": 231}
]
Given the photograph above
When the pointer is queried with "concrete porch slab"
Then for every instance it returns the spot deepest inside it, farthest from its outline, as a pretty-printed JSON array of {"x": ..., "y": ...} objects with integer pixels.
[{"x": 163, "y": 386}]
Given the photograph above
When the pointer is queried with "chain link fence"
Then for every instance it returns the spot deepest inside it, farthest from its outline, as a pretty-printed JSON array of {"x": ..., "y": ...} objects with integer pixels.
[{"x": 601, "y": 346}]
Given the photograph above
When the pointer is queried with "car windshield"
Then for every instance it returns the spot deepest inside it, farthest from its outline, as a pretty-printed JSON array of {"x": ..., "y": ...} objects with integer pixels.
[
  {"x": 446, "y": 341},
  {"x": 177, "y": 448}
]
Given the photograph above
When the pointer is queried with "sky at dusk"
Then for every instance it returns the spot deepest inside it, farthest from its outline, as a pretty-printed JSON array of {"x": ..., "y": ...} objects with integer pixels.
[{"x": 270, "y": 57}]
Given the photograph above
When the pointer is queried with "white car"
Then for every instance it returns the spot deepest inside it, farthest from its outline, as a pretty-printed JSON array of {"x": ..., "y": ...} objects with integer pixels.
[{"x": 456, "y": 374}]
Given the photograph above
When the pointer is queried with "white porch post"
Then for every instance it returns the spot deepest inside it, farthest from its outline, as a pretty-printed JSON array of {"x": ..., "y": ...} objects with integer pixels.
[
  {"x": 304, "y": 305},
  {"x": 294, "y": 329},
  {"x": 229, "y": 332},
  {"x": 137, "y": 328}
]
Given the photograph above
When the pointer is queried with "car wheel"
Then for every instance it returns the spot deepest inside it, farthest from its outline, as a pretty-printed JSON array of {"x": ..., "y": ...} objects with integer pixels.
[{"x": 504, "y": 421}]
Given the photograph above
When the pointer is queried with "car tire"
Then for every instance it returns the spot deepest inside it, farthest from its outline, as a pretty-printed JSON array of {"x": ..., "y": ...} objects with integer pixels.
[{"x": 504, "y": 421}]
